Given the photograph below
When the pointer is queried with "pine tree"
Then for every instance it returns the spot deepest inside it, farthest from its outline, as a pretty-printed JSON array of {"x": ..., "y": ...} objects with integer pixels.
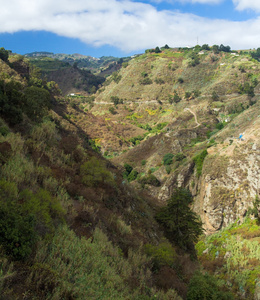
[{"x": 181, "y": 225}]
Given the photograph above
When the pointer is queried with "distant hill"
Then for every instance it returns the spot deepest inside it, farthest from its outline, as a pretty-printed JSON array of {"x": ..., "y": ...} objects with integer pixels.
[{"x": 82, "y": 61}]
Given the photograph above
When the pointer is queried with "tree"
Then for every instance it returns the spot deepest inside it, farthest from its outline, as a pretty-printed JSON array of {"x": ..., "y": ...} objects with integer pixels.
[
  {"x": 215, "y": 49},
  {"x": 205, "y": 47},
  {"x": 224, "y": 48},
  {"x": 37, "y": 102},
  {"x": 4, "y": 54},
  {"x": 181, "y": 225},
  {"x": 157, "y": 50}
]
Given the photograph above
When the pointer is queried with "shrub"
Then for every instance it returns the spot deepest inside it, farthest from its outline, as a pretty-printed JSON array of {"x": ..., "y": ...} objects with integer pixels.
[
  {"x": 206, "y": 287},
  {"x": 132, "y": 176},
  {"x": 196, "y": 93},
  {"x": 159, "y": 81},
  {"x": 112, "y": 110},
  {"x": 128, "y": 168},
  {"x": 37, "y": 102},
  {"x": 150, "y": 179},
  {"x": 143, "y": 162},
  {"x": 24, "y": 216},
  {"x": 17, "y": 234},
  {"x": 146, "y": 81},
  {"x": 163, "y": 254},
  {"x": 179, "y": 156},
  {"x": 94, "y": 172},
  {"x": 160, "y": 126},
  {"x": 4, "y": 130},
  {"x": 176, "y": 97},
  {"x": 167, "y": 159},
  {"x": 198, "y": 159},
  {"x": 144, "y": 74},
  {"x": 214, "y": 96},
  {"x": 116, "y": 77},
  {"x": 116, "y": 100},
  {"x": 170, "y": 99},
  {"x": 168, "y": 169},
  {"x": 70, "y": 267},
  {"x": 187, "y": 95}
]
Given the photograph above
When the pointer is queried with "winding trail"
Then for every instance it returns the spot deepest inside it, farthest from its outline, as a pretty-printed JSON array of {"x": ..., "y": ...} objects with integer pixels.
[{"x": 195, "y": 116}]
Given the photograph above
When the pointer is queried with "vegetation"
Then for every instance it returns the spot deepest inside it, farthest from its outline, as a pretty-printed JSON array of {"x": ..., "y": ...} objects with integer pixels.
[
  {"x": 167, "y": 159},
  {"x": 232, "y": 255},
  {"x": 206, "y": 287},
  {"x": 94, "y": 172},
  {"x": 150, "y": 180},
  {"x": 181, "y": 225},
  {"x": 198, "y": 160},
  {"x": 70, "y": 221}
]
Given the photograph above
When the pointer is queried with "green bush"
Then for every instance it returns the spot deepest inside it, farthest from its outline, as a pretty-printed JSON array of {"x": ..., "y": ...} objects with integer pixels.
[
  {"x": 176, "y": 97},
  {"x": 112, "y": 110},
  {"x": 11, "y": 102},
  {"x": 167, "y": 159},
  {"x": 116, "y": 76},
  {"x": 198, "y": 159},
  {"x": 179, "y": 156},
  {"x": 206, "y": 287},
  {"x": 17, "y": 232},
  {"x": 4, "y": 130},
  {"x": 128, "y": 170},
  {"x": 146, "y": 81},
  {"x": 162, "y": 255},
  {"x": 24, "y": 216},
  {"x": 94, "y": 172},
  {"x": 71, "y": 267},
  {"x": 214, "y": 96},
  {"x": 132, "y": 176},
  {"x": 150, "y": 179},
  {"x": 159, "y": 81},
  {"x": 168, "y": 169},
  {"x": 37, "y": 102}
]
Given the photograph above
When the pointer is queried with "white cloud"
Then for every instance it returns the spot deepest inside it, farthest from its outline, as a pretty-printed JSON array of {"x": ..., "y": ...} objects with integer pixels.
[
  {"x": 129, "y": 26},
  {"x": 189, "y": 1},
  {"x": 247, "y": 5}
]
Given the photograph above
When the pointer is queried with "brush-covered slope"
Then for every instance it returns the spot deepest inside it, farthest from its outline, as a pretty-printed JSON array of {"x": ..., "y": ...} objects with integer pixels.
[
  {"x": 194, "y": 112},
  {"x": 71, "y": 227}
]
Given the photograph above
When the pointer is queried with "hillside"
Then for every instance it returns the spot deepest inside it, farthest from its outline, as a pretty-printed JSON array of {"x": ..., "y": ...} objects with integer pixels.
[
  {"x": 90, "y": 185},
  {"x": 212, "y": 120},
  {"x": 75, "y": 73}
]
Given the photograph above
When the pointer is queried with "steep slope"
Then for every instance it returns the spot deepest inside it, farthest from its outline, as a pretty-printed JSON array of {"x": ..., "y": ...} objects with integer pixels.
[
  {"x": 193, "y": 124},
  {"x": 70, "y": 226}
]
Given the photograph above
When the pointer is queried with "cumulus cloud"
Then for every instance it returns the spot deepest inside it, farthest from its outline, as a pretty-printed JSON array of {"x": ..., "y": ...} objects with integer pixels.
[
  {"x": 247, "y": 5},
  {"x": 129, "y": 26},
  {"x": 189, "y": 1}
]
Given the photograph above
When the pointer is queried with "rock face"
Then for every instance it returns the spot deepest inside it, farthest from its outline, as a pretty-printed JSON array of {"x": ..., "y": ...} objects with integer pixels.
[
  {"x": 230, "y": 183},
  {"x": 230, "y": 179}
]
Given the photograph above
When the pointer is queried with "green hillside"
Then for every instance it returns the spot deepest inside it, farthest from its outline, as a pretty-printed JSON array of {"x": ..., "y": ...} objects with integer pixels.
[{"x": 141, "y": 190}]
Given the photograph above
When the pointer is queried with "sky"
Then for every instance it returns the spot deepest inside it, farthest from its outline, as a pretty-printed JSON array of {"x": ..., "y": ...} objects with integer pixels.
[{"x": 126, "y": 27}]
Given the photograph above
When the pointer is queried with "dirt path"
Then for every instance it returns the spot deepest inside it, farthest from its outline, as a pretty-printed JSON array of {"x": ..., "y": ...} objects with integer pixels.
[{"x": 195, "y": 116}]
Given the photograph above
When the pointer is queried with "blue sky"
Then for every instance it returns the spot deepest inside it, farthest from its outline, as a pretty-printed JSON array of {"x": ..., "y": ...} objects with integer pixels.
[{"x": 124, "y": 27}]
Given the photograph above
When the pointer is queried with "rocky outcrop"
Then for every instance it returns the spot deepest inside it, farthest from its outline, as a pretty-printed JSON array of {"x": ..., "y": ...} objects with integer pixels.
[{"x": 229, "y": 185}]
